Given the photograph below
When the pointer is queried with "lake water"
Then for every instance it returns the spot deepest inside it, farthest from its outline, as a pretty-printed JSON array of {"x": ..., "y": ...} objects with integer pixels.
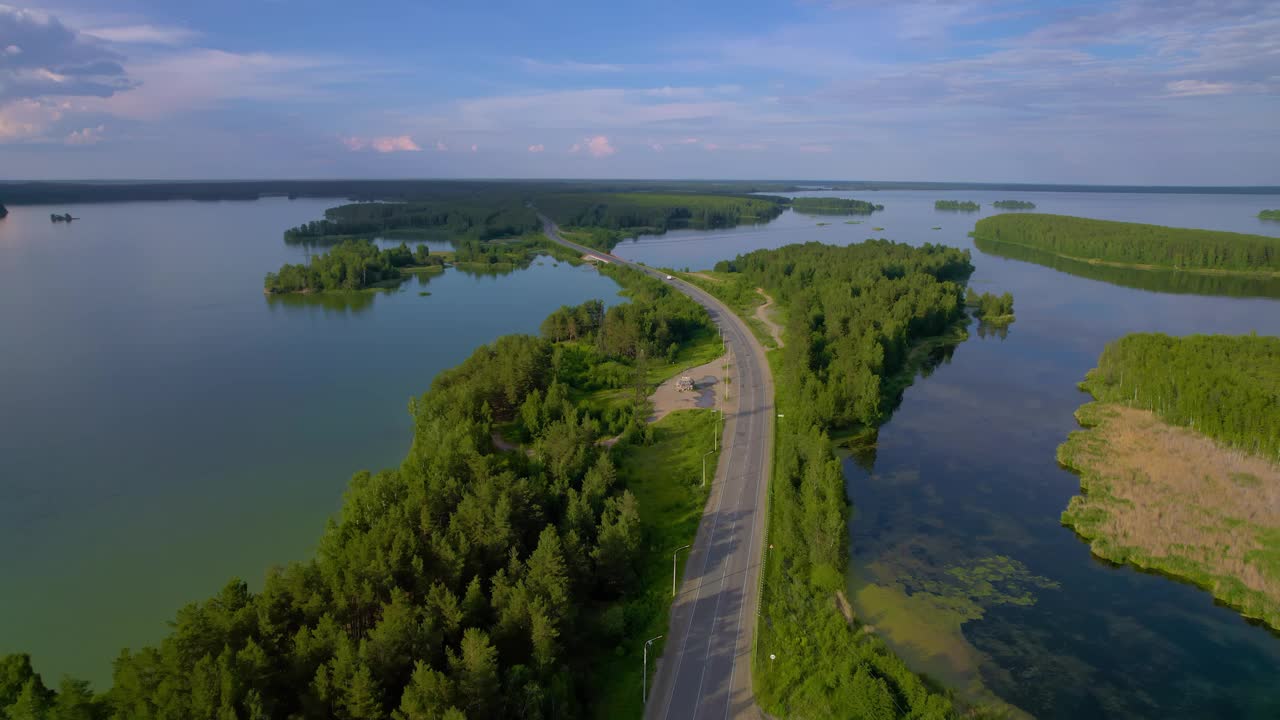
[
  {"x": 959, "y": 560},
  {"x": 164, "y": 426}
]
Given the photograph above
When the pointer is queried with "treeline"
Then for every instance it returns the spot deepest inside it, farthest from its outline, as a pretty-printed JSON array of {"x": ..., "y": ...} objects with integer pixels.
[
  {"x": 654, "y": 213},
  {"x": 470, "y": 218},
  {"x": 1226, "y": 387},
  {"x": 351, "y": 265},
  {"x": 852, "y": 314},
  {"x": 967, "y": 205},
  {"x": 1014, "y": 205},
  {"x": 834, "y": 206},
  {"x": 1264, "y": 215},
  {"x": 992, "y": 308},
  {"x": 1153, "y": 280},
  {"x": 467, "y": 583},
  {"x": 4, "y": 211},
  {"x": 1135, "y": 243}
]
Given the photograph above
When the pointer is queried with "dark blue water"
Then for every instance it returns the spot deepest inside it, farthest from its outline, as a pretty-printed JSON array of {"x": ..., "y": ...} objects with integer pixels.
[
  {"x": 164, "y": 426},
  {"x": 964, "y": 472}
]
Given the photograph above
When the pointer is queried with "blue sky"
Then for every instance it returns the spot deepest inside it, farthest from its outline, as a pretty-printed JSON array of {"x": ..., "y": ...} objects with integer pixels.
[{"x": 1112, "y": 91}]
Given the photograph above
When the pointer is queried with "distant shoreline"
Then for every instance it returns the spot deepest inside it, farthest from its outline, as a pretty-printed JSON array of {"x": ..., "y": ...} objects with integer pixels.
[{"x": 29, "y": 192}]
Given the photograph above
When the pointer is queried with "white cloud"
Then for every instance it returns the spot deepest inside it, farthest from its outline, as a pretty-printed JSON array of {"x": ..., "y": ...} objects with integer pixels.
[
  {"x": 599, "y": 146},
  {"x": 85, "y": 136},
  {"x": 568, "y": 66},
  {"x": 385, "y": 144},
  {"x": 537, "y": 148},
  {"x": 144, "y": 35},
  {"x": 1189, "y": 88},
  {"x": 25, "y": 119}
]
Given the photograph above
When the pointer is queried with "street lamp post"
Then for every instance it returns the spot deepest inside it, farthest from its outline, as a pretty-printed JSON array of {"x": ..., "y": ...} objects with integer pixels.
[
  {"x": 673, "y": 568},
  {"x": 704, "y": 466},
  {"x": 644, "y": 672}
]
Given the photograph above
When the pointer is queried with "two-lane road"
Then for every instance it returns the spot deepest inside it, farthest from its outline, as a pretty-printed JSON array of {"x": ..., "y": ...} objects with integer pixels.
[{"x": 705, "y": 670}]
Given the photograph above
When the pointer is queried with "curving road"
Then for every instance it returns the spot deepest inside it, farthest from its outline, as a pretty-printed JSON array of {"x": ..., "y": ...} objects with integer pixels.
[{"x": 705, "y": 669}]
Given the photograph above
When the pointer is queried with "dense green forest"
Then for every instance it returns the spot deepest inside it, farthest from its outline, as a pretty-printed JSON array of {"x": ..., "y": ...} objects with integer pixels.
[
  {"x": 1135, "y": 243},
  {"x": 1155, "y": 280},
  {"x": 966, "y": 205},
  {"x": 1226, "y": 387},
  {"x": 351, "y": 265},
  {"x": 609, "y": 218},
  {"x": 467, "y": 582},
  {"x": 480, "y": 219},
  {"x": 853, "y": 315},
  {"x": 834, "y": 206},
  {"x": 991, "y": 308},
  {"x": 1014, "y": 205},
  {"x": 1265, "y": 214}
]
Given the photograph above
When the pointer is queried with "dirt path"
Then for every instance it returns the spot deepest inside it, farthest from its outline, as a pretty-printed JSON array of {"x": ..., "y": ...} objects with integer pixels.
[
  {"x": 762, "y": 314},
  {"x": 706, "y": 385}
]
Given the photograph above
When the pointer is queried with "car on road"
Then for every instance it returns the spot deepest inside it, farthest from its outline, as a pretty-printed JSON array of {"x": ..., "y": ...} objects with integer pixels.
[{"x": 670, "y": 278}]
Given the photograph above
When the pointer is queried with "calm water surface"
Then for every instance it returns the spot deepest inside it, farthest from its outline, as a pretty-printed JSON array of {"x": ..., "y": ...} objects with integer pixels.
[
  {"x": 165, "y": 427},
  {"x": 958, "y": 556}
]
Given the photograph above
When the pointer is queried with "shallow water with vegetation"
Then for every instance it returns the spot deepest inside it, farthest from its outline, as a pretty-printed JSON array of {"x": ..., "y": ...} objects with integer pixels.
[
  {"x": 164, "y": 426},
  {"x": 959, "y": 558}
]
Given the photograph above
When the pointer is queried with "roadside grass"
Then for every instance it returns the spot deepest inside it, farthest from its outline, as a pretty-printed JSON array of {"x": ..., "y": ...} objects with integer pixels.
[
  {"x": 665, "y": 477},
  {"x": 740, "y": 296}
]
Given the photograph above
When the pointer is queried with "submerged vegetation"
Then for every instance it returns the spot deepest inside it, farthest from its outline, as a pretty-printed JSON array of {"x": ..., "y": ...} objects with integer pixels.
[
  {"x": 1201, "y": 501},
  {"x": 965, "y": 205},
  {"x": 467, "y": 582},
  {"x": 992, "y": 309},
  {"x": 1135, "y": 244},
  {"x": 853, "y": 315},
  {"x": 1014, "y": 205},
  {"x": 834, "y": 206}
]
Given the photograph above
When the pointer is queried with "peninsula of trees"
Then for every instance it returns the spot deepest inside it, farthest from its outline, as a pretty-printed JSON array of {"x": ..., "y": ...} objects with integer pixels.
[
  {"x": 351, "y": 265},
  {"x": 833, "y": 206},
  {"x": 853, "y": 316},
  {"x": 1180, "y": 463},
  {"x": 992, "y": 309},
  {"x": 1135, "y": 244},
  {"x": 1264, "y": 215},
  {"x": 468, "y": 582},
  {"x": 1014, "y": 205}
]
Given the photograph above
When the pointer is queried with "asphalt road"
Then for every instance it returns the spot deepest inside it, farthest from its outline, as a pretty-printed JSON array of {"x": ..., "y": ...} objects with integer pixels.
[{"x": 705, "y": 668}]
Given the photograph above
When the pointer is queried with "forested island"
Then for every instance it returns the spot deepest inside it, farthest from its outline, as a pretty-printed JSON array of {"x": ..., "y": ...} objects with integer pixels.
[
  {"x": 351, "y": 265},
  {"x": 964, "y": 205},
  {"x": 469, "y": 582},
  {"x": 1180, "y": 463},
  {"x": 833, "y": 206},
  {"x": 4, "y": 211},
  {"x": 992, "y": 309},
  {"x": 856, "y": 316},
  {"x": 1014, "y": 205},
  {"x": 1264, "y": 215},
  {"x": 1134, "y": 244}
]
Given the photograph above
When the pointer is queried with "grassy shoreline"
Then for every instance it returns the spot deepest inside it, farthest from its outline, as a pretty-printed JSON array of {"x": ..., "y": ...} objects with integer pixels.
[{"x": 1185, "y": 522}]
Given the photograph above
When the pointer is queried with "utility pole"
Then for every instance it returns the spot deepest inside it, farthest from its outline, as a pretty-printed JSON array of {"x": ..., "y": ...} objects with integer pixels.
[
  {"x": 673, "y": 568},
  {"x": 644, "y": 673},
  {"x": 704, "y": 466}
]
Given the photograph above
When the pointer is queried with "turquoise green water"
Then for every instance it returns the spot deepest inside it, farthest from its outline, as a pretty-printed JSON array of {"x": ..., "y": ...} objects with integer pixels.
[{"x": 164, "y": 426}]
